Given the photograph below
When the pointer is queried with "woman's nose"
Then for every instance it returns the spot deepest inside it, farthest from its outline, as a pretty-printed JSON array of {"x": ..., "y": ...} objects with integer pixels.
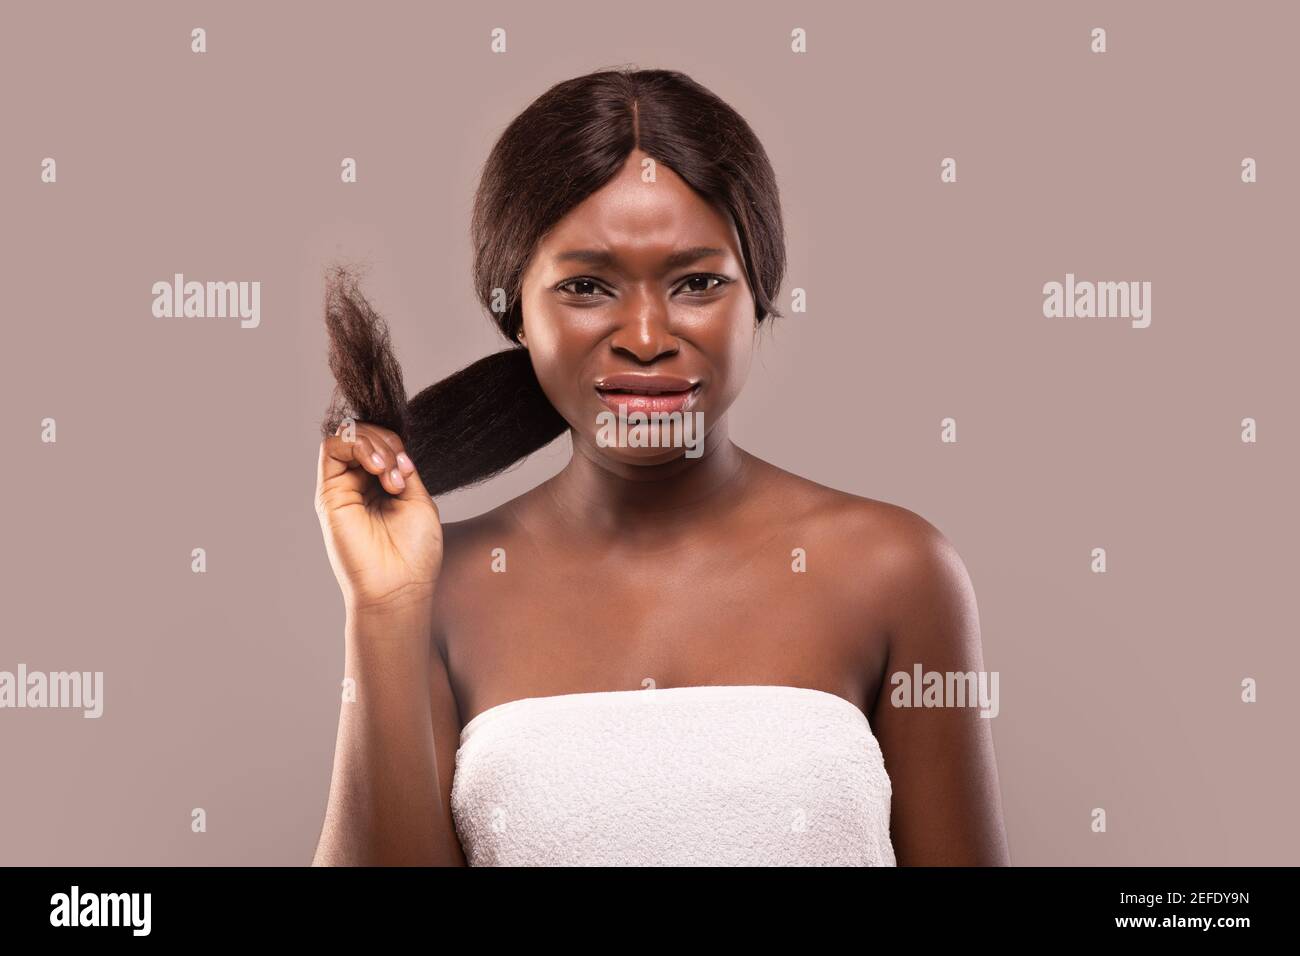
[{"x": 645, "y": 327}]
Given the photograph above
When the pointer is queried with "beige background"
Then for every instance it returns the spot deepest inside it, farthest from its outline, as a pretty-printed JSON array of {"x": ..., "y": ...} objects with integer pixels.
[{"x": 222, "y": 690}]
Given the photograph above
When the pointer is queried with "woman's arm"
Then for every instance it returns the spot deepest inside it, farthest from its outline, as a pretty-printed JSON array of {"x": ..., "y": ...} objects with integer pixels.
[
  {"x": 396, "y": 745},
  {"x": 389, "y": 801},
  {"x": 947, "y": 807}
]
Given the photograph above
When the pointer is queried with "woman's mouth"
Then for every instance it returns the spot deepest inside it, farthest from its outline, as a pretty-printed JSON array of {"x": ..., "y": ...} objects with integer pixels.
[{"x": 647, "y": 393}]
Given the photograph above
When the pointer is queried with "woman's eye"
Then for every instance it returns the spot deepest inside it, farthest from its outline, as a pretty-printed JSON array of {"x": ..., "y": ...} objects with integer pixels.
[
  {"x": 694, "y": 285},
  {"x": 582, "y": 288},
  {"x": 704, "y": 278}
]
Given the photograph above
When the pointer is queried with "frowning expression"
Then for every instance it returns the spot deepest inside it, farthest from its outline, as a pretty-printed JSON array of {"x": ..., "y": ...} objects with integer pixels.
[{"x": 638, "y": 297}]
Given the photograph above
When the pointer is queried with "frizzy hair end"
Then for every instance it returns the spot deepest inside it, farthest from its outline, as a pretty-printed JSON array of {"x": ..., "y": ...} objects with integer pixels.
[{"x": 368, "y": 380}]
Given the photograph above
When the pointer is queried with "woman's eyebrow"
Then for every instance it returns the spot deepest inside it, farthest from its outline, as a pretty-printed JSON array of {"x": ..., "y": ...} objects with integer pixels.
[{"x": 602, "y": 257}]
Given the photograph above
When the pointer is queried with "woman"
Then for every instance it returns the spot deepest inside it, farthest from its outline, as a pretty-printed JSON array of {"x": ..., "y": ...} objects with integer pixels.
[{"x": 667, "y": 653}]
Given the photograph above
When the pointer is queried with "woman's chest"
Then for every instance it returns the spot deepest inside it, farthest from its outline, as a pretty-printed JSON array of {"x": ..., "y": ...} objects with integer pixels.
[{"x": 534, "y": 631}]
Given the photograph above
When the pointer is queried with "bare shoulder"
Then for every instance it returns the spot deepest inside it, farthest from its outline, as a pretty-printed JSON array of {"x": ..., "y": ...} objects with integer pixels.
[
  {"x": 469, "y": 548},
  {"x": 896, "y": 558},
  {"x": 861, "y": 525},
  {"x": 465, "y": 538},
  {"x": 468, "y": 544}
]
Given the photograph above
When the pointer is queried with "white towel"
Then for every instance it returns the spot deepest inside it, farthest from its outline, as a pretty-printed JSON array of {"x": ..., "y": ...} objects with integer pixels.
[{"x": 741, "y": 775}]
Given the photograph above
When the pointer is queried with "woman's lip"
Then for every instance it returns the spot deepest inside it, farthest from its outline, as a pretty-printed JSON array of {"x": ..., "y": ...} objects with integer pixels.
[
  {"x": 642, "y": 383},
  {"x": 678, "y": 400}
]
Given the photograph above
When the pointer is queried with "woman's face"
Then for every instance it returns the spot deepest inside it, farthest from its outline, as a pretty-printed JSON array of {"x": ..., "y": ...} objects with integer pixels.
[{"x": 638, "y": 298}]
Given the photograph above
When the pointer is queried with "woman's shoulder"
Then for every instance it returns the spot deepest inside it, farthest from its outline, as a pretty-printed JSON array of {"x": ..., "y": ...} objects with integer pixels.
[
  {"x": 892, "y": 566},
  {"x": 870, "y": 521},
  {"x": 460, "y": 535},
  {"x": 861, "y": 534},
  {"x": 473, "y": 541},
  {"x": 476, "y": 553}
]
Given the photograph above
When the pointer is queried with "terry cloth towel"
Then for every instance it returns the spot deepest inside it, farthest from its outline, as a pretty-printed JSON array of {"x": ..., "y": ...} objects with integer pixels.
[{"x": 744, "y": 775}]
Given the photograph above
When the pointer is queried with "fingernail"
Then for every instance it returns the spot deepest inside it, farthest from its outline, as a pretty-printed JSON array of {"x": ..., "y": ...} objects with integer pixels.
[
  {"x": 397, "y": 479},
  {"x": 378, "y": 459},
  {"x": 405, "y": 463}
]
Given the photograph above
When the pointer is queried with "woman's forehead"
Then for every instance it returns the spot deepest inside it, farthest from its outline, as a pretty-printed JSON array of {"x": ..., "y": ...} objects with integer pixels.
[{"x": 643, "y": 224}]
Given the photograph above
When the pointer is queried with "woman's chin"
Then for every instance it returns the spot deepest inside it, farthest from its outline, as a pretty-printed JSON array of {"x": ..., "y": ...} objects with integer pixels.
[
  {"x": 641, "y": 456},
  {"x": 652, "y": 443}
]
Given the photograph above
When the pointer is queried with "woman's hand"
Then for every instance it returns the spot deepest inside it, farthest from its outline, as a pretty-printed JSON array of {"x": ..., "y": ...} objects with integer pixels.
[{"x": 381, "y": 527}]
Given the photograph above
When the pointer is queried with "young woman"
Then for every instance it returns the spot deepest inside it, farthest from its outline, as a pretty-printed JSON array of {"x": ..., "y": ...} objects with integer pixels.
[{"x": 672, "y": 652}]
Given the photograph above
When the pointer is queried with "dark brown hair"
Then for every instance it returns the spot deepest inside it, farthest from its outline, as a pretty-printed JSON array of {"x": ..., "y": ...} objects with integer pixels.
[{"x": 565, "y": 146}]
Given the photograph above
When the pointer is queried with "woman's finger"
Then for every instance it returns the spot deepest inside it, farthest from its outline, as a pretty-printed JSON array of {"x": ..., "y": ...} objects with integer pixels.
[
  {"x": 378, "y": 459},
  {"x": 395, "y": 445}
]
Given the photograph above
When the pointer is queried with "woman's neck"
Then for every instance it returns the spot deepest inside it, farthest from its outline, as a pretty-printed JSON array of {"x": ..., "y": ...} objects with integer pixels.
[{"x": 660, "y": 501}]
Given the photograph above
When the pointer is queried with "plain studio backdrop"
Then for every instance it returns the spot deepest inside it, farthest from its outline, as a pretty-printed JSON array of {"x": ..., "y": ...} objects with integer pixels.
[{"x": 1119, "y": 691}]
